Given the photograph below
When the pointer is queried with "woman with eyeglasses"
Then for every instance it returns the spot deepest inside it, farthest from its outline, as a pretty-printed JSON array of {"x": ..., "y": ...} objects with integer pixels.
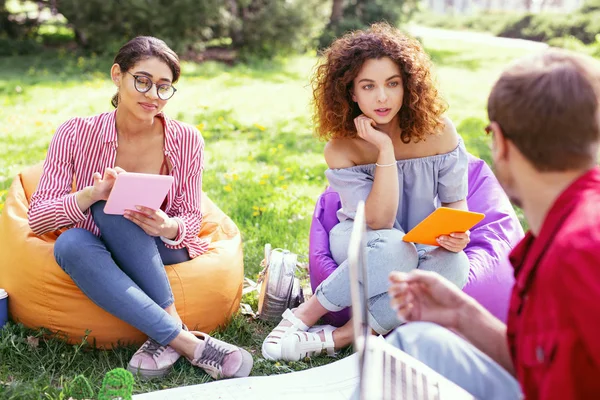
[{"x": 118, "y": 261}]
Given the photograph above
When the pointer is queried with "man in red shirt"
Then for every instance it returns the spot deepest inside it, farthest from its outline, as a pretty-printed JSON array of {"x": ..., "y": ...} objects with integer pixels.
[{"x": 545, "y": 125}]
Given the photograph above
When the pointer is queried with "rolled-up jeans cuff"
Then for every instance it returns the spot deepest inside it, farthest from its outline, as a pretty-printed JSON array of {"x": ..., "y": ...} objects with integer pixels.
[
  {"x": 171, "y": 336},
  {"x": 167, "y": 303},
  {"x": 375, "y": 325},
  {"x": 329, "y": 306}
]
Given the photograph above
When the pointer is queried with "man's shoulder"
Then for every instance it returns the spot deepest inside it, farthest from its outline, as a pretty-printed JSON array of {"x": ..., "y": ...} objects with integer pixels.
[
  {"x": 582, "y": 226},
  {"x": 579, "y": 235}
]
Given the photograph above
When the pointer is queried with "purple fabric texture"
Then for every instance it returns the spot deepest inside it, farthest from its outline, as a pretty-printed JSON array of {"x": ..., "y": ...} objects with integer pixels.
[{"x": 491, "y": 277}]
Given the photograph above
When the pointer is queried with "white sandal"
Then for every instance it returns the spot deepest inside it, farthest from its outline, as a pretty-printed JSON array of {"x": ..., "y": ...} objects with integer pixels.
[
  {"x": 299, "y": 345},
  {"x": 271, "y": 347}
]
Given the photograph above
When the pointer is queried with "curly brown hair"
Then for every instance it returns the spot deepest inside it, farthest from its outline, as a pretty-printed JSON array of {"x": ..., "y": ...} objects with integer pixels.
[{"x": 334, "y": 110}]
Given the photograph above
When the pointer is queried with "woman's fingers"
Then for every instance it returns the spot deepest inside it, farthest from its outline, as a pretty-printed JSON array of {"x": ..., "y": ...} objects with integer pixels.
[
  {"x": 142, "y": 220},
  {"x": 109, "y": 173},
  {"x": 362, "y": 123},
  {"x": 358, "y": 122},
  {"x": 455, "y": 244},
  {"x": 461, "y": 235},
  {"x": 147, "y": 211}
]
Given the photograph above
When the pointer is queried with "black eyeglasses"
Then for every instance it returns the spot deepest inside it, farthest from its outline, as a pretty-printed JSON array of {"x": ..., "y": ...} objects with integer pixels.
[{"x": 143, "y": 84}]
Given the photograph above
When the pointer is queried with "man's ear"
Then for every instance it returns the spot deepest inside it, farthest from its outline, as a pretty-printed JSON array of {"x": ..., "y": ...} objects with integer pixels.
[
  {"x": 500, "y": 148},
  {"x": 115, "y": 74}
]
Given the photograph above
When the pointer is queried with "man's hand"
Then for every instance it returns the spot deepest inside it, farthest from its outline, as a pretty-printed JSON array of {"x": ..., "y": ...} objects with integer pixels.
[{"x": 426, "y": 296}]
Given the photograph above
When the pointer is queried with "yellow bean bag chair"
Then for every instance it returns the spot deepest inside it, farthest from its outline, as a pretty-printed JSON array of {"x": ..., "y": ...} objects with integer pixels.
[{"x": 207, "y": 289}]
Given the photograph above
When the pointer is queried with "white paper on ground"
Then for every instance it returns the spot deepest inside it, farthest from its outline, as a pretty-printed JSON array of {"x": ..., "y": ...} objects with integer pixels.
[{"x": 334, "y": 381}]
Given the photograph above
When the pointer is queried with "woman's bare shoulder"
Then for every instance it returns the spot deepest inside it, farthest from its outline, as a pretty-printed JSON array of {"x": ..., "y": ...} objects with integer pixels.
[
  {"x": 341, "y": 153},
  {"x": 447, "y": 138}
]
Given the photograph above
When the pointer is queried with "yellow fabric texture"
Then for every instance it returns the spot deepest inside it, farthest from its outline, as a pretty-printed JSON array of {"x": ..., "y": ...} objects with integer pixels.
[{"x": 207, "y": 289}]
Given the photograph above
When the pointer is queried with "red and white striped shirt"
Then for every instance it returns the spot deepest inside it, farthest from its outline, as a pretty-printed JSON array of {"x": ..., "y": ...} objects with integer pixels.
[{"x": 82, "y": 146}]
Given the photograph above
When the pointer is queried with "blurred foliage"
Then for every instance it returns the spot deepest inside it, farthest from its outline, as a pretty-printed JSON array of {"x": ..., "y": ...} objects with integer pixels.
[
  {"x": 17, "y": 32},
  {"x": 544, "y": 27},
  {"x": 251, "y": 28},
  {"x": 248, "y": 28},
  {"x": 104, "y": 26},
  {"x": 555, "y": 28},
  {"x": 492, "y": 22},
  {"x": 359, "y": 14},
  {"x": 590, "y": 6},
  {"x": 574, "y": 44},
  {"x": 263, "y": 29}
]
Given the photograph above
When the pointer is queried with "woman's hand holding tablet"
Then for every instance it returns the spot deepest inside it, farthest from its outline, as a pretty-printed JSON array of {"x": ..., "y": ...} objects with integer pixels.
[
  {"x": 133, "y": 189},
  {"x": 444, "y": 221},
  {"x": 154, "y": 222},
  {"x": 138, "y": 197}
]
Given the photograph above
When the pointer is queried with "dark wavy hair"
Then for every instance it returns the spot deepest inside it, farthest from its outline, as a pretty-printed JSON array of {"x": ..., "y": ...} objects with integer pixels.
[
  {"x": 142, "y": 48},
  {"x": 334, "y": 110}
]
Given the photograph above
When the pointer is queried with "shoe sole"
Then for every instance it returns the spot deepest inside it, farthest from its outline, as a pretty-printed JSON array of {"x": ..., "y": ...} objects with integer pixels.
[
  {"x": 246, "y": 367},
  {"x": 147, "y": 374}
]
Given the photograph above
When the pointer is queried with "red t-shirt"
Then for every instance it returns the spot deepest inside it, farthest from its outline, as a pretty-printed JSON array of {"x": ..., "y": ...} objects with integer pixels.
[{"x": 554, "y": 316}]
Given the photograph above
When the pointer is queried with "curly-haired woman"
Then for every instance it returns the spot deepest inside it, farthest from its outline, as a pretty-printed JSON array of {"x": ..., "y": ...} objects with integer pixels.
[{"x": 389, "y": 145}]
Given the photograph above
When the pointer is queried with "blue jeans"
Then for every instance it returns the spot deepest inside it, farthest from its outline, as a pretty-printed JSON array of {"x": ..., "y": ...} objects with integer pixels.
[
  {"x": 457, "y": 360},
  {"x": 386, "y": 252},
  {"x": 123, "y": 272}
]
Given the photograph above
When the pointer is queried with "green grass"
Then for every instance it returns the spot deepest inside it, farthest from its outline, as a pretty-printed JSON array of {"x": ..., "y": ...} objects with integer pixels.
[{"x": 264, "y": 168}]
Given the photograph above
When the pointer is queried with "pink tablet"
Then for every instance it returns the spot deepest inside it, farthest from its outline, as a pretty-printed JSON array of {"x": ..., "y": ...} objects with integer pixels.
[{"x": 134, "y": 189}]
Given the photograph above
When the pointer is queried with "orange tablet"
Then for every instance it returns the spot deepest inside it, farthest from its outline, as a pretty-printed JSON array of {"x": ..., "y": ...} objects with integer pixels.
[{"x": 443, "y": 221}]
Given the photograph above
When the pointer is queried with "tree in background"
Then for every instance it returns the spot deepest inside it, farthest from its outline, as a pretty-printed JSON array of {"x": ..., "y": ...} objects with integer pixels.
[
  {"x": 251, "y": 28},
  {"x": 347, "y": 15},
  {"x": 264, "y": 28},
  {"x": 590, "y": 6},
  {"x": 103, "y": 26},
  {"x": 246, "y": 28},
  {"x": 17, "y": 32}
]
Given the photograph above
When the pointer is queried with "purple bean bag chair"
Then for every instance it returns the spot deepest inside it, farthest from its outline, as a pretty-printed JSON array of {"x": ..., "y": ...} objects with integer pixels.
[{"x": 491, "y": 277}]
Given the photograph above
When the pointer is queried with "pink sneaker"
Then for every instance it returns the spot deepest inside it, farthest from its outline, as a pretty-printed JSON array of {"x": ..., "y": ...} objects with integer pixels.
[
  {"x": 153, "y": 360},
  {"x": 220, "y": 359}
]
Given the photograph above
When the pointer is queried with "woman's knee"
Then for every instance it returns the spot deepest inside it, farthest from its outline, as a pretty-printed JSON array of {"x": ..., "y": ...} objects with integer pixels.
[
  {"x": 69, "y": 245},
  {"x": 453, "y": 266},
  {"x": 390, "y": 252},
  {"x": 463, "y": 268},
  {"x": 107, "y": 222}
]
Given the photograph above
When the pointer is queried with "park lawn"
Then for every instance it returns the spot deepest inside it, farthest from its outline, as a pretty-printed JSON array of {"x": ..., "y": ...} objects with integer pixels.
[{"x": 264, "y": 168}]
